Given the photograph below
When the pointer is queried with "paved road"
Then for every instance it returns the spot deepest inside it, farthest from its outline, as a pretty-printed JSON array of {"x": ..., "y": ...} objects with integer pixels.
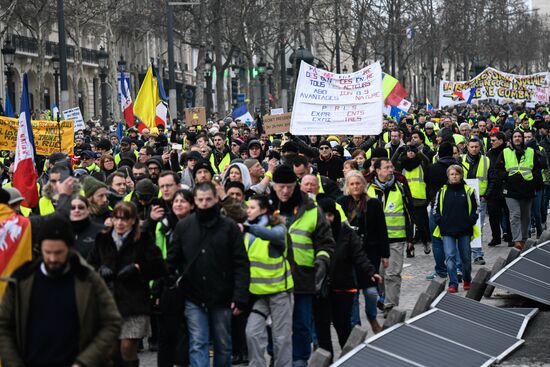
[{"x": 533, "y": 353}]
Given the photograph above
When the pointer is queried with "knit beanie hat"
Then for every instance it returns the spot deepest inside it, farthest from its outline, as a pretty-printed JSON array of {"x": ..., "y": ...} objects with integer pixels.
[
  {"x": 445, "y": 150},
  {"x": 250, "y": 162},
  {"x": 91, "y": 184},
  {"x": 56, "y": 227},
  {"x": 146, "y": 189},
  {"x": 203, "y": 163},
  {"x": 237, "y": 184},
  {"x": 284, "y": 174}
]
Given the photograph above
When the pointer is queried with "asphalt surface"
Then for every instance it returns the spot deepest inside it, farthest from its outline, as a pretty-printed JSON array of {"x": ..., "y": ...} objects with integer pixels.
[{"x": 534, "y": 352}]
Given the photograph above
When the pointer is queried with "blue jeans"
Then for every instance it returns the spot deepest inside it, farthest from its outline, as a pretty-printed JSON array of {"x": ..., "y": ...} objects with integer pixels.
[
  {"x": 536, "y": 216},
  {"x": 452, "y": 245},
  {"x": 544, "y": 206},
  {"x": 355, "y": 316},
  {"x": 302, "y": 321},
  {"x": 199, "y": 323},
  {"x": 478, "y": 252},
  {"x": 371, "y": 297},
  {"x": 437, "y": 250}
]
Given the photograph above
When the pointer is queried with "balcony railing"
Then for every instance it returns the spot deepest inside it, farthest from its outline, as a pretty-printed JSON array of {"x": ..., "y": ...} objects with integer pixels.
[{"x": 30, "y": 45}]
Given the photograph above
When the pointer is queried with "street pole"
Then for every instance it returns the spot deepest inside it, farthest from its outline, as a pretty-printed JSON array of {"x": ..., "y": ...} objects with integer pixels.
[
  {"x": 62, "y": 56},
  {"x": 262, "y": 94},
  {"x": 103, "y": 76},
  {"x": 337, "y": 38},
  {"x": 284, "y": 85},
  {"x": 172, "y": 95}
]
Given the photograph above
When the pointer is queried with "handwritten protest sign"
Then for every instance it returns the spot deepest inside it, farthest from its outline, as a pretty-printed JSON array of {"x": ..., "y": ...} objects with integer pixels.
[
  {"x": 328, "y": 103},
  {"x": 75, "y": 115},
  {"x": 497, "y": 85},
  {"x": 275, "y": 124},
  {"x": 46, "y": 135},
  {"x": 195, "y": 116}
]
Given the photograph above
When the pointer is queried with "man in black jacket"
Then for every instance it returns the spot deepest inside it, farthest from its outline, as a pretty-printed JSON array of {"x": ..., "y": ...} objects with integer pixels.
[
  {"x": 496, "y": 206},
  {"x": 327, "y": 163},
  {"x": 209, "y": 253}
]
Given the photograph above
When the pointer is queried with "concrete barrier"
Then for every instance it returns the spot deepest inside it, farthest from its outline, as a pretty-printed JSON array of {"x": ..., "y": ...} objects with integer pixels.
[
  {"x": 320, "y": 358},
  {"x": 479, "y": 284},
  {"x": 395, "y": 316},
  {"x": 357, "y": 336},
  {"x": 497, "y": 266}
]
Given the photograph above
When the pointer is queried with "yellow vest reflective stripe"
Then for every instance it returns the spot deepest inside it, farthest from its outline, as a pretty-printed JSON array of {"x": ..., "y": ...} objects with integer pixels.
[
  {"x": 46, "y": 206},
  {"x": 394, "y": 212},
  {"x": 481, "y": 174},
  {"x": 301, "y": 232},
  {"x": 415, "y": 178},
  {"x": 524, "y": 167},
  {"x": 92, "y": 168},
  {"x": 223, "y": 163},
  {"x": 268, "y": 275},
  {"x": 469, "y": 190}
]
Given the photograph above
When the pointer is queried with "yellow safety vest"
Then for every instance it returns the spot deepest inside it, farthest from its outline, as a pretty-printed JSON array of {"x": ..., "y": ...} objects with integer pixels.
[
  {"x": 524, "y": 166},
  {"x": 394, "y": 212},
  {"x": 301, "y": 232},
  {"x": 91, "y": 168},
  {"x": 25, "y": 211},
  {"x": 481, "y": 174},
  {"x": 223, "y": 163},
  {"x": 268, "y": 275},
  {"x": 415, "y": 178},
  {"x": 469, "y": 190},
  {"x": 118, "y": 159},
  {"x": 46, "y": 206}
]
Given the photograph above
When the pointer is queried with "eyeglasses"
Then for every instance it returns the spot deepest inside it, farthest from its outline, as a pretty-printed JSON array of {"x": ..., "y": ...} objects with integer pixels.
[
  {"x": 324, "y": 148},
  {"x": 79, "y": 207}
]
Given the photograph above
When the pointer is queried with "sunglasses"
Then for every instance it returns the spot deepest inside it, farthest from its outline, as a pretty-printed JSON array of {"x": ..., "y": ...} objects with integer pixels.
[
  {"x": 79, "y": 207},
  {"x": 325, "y": 148}
]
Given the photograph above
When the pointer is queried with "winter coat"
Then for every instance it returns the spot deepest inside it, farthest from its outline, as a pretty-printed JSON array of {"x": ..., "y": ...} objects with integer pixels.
[
  {"x": 348, "y": 253},
  {"x": 456, "y": 219},
  {"x": 436, "y": 176},
  {"x": 131, "y": 294},
  {"x": 370, "y": 225},
  {"x": 496, "y": 176},
  {"x": 516, "y": 186},
  {"x": 85, "y": 234},
  {"x": 99, "y": 319},
  {"x": 332, "y": 167},
  {"x": 220, "y": 272}
]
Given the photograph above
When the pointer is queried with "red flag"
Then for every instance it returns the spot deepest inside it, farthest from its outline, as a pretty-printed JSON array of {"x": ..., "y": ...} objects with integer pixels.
[
  {"x": 397, "y": 94},
  {"x": 24, "y": 173}
]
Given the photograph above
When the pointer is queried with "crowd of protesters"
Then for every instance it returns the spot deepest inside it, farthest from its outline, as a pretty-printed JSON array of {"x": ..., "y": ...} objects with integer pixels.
[{"x": 220, "y": 242}]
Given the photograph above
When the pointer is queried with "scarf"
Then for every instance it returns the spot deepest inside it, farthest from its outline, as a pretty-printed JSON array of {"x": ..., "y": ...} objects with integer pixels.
[
  {"x": 119, "y": 239},
  {"x": 384, "y": 185}
]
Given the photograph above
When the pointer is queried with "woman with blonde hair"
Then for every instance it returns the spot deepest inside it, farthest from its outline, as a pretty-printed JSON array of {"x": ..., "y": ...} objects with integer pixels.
[{"x": 366, "y": 217}]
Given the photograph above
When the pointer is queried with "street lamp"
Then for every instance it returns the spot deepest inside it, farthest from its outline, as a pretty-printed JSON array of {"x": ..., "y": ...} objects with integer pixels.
[
  {"x": 55, "y": 64},
  {"x": 103, "y": 60},
  {"x": 208, "y": 76},
  {"x": 8, "y": 53},
  {"x": 261, "y": 70}
]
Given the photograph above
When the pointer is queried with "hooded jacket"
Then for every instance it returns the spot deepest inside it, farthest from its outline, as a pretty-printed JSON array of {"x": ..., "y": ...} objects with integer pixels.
[{"x": 245, "y": 175}]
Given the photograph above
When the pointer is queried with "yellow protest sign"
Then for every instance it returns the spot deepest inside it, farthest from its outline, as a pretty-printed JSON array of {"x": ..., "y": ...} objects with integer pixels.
[{"x": 46, "y": 135}]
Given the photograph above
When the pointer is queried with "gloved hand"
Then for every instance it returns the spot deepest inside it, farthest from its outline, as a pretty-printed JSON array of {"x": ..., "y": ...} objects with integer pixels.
[
  {"x": 106, "y": 273},
  {"x": 127, "y": 271},
  {"x": 321, "y": 268}
]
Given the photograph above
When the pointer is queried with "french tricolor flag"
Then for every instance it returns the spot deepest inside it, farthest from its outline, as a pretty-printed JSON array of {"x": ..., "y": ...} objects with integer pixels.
[
  {"x": 126, "y": 104},
  {"x": 24, "y": 173}
]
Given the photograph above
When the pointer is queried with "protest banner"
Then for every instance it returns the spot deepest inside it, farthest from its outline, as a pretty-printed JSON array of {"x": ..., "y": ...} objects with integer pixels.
[
  {"x": 75, "y": 115},
  {"x": 278, "y": 123},
  {"x": 195, "y": 116},
  {"x": 326, "y": 103},
  {"x": 497, "y": 85},
  {"x": 277, "y": 111},
  {"x": 46, "y": 135}
]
